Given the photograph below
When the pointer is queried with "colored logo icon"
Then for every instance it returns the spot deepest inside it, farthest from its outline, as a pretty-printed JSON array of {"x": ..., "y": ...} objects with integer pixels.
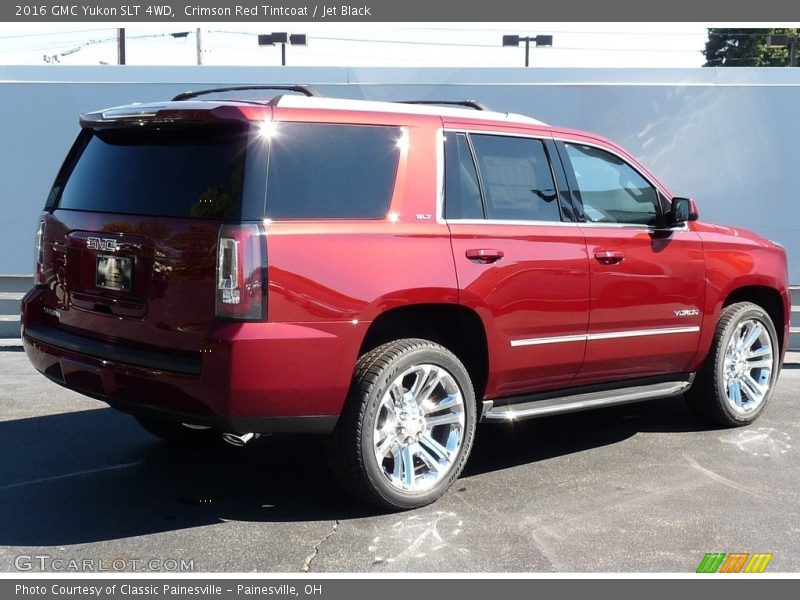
[{"x": 735, "y": 562}]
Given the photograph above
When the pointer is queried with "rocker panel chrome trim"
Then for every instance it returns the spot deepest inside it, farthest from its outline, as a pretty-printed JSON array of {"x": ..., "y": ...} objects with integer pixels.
[{"x": 586, "y": 401}]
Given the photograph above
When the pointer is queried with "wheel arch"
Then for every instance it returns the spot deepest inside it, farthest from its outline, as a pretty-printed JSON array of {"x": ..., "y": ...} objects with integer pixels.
[
  {"x": 456, "y": 327},
  {"x": 767, "y": 298}
]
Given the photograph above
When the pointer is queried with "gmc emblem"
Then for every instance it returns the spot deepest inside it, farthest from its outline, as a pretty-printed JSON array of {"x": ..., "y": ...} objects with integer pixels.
[{"x": 94, "y": 243}]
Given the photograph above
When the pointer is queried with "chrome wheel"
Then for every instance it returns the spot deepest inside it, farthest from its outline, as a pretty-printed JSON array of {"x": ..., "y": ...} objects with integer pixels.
[
  {"x": 419, "y": 428},
  {"x": 406, "y": 430},
  {"x": 748, "y": 366},
  {"x": 735, "y": 384}
]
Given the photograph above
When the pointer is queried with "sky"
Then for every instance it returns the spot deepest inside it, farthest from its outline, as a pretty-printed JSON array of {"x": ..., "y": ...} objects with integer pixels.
[{"x": 360, "y": 44}]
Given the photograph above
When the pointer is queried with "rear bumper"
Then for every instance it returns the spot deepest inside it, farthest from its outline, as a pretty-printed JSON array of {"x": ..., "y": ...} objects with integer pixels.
[
  {"x": 259, "y": 377},
  {"x": 160, "y": 361}
]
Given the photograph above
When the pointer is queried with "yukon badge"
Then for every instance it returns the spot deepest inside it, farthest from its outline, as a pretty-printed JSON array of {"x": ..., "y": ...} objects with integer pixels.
[
  {"x": 687, "y": 312},
  {"x": 93, "y": 243}
]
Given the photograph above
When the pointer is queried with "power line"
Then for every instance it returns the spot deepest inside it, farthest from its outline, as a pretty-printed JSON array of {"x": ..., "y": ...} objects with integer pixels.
[
  {"x": 464, "y": 45},
  {"x": 27, "y": 35},
  {"x": 562, "y": 31},
  {"x": 70, "y": 47},
  {"x": 59, "y": 46},
  {"x": 66, "y": 46},
  {"x": 595, "y": 49}
]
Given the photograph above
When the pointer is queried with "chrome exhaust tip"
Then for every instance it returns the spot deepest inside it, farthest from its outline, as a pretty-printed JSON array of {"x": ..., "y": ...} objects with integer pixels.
[{"x": 239, "y": 439}]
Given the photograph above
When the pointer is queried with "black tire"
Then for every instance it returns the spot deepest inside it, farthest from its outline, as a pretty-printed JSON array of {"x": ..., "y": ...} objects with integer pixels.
[
  {"x": 178, "y": 434},
  {"x": 370, "y": 404},
  {"x": 708, "y": 398}
]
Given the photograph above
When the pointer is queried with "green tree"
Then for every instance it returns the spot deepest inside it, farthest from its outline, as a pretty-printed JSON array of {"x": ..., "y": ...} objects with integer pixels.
[{"x": 745, "y": 48}]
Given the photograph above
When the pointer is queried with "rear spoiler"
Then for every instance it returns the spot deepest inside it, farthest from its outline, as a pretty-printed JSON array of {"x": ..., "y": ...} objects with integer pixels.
[{"x": 161, "y": 114}]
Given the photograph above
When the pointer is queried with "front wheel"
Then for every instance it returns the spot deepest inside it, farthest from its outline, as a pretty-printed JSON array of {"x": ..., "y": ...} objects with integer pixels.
[
  {"x": 737, "y": 380},
  {"x": 407, "y": 427}
]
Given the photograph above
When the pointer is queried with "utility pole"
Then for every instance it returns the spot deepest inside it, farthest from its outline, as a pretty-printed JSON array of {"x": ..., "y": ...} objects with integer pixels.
[
  {"x": 199, "y": 37},
  {"x": 121, "y": 46},
  {"x": 527, "y": 51}
]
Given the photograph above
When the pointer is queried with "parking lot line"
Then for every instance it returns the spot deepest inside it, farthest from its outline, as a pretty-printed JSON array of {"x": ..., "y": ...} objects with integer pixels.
[{"x": 68, "y": 475}]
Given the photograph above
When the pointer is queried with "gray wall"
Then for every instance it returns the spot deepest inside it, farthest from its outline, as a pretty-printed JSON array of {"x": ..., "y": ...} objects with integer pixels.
[{"x": 727, "y": 137}]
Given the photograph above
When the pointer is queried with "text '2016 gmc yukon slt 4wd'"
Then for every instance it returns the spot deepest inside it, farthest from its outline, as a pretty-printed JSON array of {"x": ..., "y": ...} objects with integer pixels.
[{"x": 389, "y": 273}]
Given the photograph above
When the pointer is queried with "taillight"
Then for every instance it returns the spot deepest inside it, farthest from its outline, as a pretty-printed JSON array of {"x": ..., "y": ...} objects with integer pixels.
[
  {"x": 39, "y": 253},
  {"x": 241, "y": 272}
]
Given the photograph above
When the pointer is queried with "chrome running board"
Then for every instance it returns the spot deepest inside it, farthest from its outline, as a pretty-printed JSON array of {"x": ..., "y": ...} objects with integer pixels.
[{"x": 583, "y": 401}]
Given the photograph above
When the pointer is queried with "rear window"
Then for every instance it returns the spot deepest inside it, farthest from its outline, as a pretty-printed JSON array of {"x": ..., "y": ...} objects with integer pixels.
[
  {"x": 189, "y": 172},
  {"x": 331, "y": 171}
]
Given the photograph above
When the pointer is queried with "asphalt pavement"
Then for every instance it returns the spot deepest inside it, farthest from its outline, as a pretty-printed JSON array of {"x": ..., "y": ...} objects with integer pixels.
[{"x": 636, "y": 488}]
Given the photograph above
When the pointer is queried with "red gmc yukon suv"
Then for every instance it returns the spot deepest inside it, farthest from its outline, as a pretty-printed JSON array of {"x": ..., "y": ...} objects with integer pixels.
[{"x": 389, "y": 273}]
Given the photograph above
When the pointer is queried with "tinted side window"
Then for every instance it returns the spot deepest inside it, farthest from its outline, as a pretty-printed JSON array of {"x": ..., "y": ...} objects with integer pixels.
[
  {"x": 611, "y": 190},
  {"x": 516, "y": 178},
  {"x": 462, "y": 194},
  {"x": 319, "y": 171},
  {"x": 189, "y": 172}
]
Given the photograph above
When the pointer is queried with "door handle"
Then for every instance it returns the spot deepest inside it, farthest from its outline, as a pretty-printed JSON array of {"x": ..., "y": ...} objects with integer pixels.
[
  {"x": 609, "y": 257},
  {"x": 484, "y": 256}
]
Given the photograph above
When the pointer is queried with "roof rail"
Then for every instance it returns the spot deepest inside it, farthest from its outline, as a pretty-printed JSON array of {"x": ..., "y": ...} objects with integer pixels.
[
  {"x": 303, "y": 89},
  {"x": 465, "y": 103}
]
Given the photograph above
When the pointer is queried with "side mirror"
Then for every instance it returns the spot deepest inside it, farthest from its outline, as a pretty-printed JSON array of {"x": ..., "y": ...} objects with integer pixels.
[
  {"x": 683, "y": 210},
  {"x": 694, "y": 213}
]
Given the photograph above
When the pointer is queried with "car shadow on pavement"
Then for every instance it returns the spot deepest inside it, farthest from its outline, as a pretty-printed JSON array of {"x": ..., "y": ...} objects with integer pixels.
[
  {"x": 504, "y": 445},
  {"x": 95, "y": 475}
]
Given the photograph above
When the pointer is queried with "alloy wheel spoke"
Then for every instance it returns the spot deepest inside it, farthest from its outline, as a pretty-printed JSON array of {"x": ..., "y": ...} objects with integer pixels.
[
  {"x": 397, "y": 470},
  {"x": 396, "y": 394},
  {"x": 386, "y": 446},
  {"x": 752, "y": 388},
  {"x": 737, "y": 342},
  {"x": 735, "y": 392},
  {"x": 439, "y": 452},
  {"x": 759, "y": 364},
  {"x": 421, "y": 374},
  {"x": 427, "y": 457},
  {"x": 449, "y": 401},
  {"x": 746, "y": 393},
  {"x": 752, "y": 335},
  {"x": 759, "y": 352},
  {"x": 431, "y": 381},
  {"x": 407, "y": 460},
  {"x": 445, "y": 419}
]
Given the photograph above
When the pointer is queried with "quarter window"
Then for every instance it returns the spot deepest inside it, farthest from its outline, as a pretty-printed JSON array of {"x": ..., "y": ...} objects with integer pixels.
[
  {"x": 321, "y": 171},
  {"x": 612, "y": 191}
]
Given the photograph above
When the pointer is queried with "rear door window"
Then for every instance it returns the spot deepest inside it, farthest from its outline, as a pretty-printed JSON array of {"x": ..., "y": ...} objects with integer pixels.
[
  {"x": 517, "y": 179},
  {"x": 322, "y": 171}
]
